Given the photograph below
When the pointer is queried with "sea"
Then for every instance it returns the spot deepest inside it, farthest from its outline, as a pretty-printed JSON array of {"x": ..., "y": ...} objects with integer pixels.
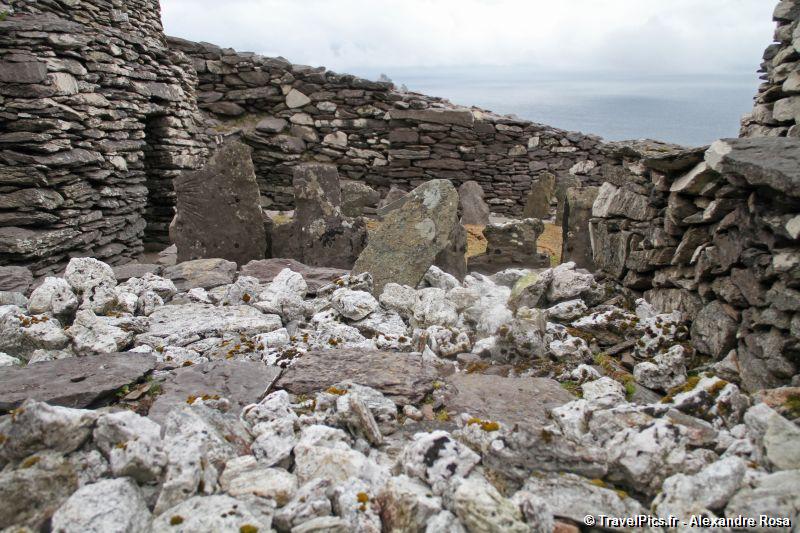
[{"x": 688, "y": 109}]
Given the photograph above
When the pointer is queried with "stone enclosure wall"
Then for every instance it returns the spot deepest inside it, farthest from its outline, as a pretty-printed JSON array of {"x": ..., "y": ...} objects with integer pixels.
[
  {"x": 376, "y": 134},
  {"x": 97, "y": 116},
  {"x": 717, "y": 236},
  {"x": 777, "y": 108}
]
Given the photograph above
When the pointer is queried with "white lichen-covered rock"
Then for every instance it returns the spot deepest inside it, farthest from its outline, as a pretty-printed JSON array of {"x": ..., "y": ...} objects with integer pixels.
[
  {"x": 569, "y": 310},
  {"x": 535, "y": 510},
  {"x": 480, "y": 507},
  {"x": 40, "y": 332},
  {"x": 36, "y": 426},
  {"x": 7, "y": 360},
  {"x": 108, "y": 506},
  {"x": 353, "y": 501},
  {"x": 53, "y": 296},
  {"x": 274, "y": 483},
  {"x": 91, "y": 335},
  {"x": 666, "y": 371},
  {"x": 274, "y": 442},
  {"x": 433, "y": 309},
  {"x": 444, "y": 521},
  {"x": 708, "y": 490},
  {"x": 603, "y": 393},
  {"x": 713, "y": 398},
  {"x": 312, "y": 500},
  {"x": 574, "y": 497},
  {"x": 275, "y": 406},
  {"x": 386, "y": 328},
  {"x": 210, "y": 514},
  {"x": 164, "y": 287},
  {"x": 407, "y": 504},
  {"x": 659, "y": 332},
  {"x": 244, "y": 291},
  {"x": 399, "y": 298},
  {"x": 776, "y": 438},
  {"x": 289, "y": 282},
  {"x": 323, "y": 524},
  {"x": 438, "y": 278},
  {"x": 437, "y": 459},
  {"x": 774, "y": 495},
  {"x": 197, "y": 449},
  {"x": 132, "y": 445},
  {"x": 85, "y": 273},
  {"x": 100, "y": 299},
  {"x": 325, "y": 452},
  {"x": 354, "y": 305},
  {"x": 568, "y": 283},
  {"x": 148, "y": 302}
]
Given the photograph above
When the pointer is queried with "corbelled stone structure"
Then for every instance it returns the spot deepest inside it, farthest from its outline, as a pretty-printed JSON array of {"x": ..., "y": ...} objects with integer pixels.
[
  {"x": 98, "y": 116},
  {"x": 715, "y": 236},
  {"x": 777, "y": 106}
]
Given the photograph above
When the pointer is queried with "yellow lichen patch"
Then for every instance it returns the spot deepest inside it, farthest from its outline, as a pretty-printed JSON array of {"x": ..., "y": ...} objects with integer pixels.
[
  {"x": 478, "y": 366},
  {"x": 690, "y": 384},
  {"x": 187, "y": 363},
  {"x": 246, "y": 298},
  {"x": 622, "y": 494},
  {"x": 598, "y": 483},
  {"x": 717, "y": 387},
  {"x": 335, "y": 391},
  {"x": 122, "y": 445},
  {"x": 437, "y": 385},
  {"x": 248, "y": 528},
  {"x": 176, "y": 520},
  {"x": 442, "y": 415},
  {"x": 362, "y": 497},
  {"x": 31, "y": 461},
  {"x": 792, "y": 405},
  {"x": 485, "y": 425}
]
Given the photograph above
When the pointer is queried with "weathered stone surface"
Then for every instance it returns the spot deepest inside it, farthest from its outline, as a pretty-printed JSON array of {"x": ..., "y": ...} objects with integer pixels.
[
  {"x": 108, "y": 505},
  {"x": 541, "y": 195},
  {"x": 202, "y": 273},
  {"x": 15, "y": 279},
  {"x": 135, "y": 270},
  {"x": 323, "y": 236},
  {"x": 459, "y": 117},
  {"x": 356, "y": 196},
  {"x": 265, "y": 271},
  {"x": 453, "y": 259},
  {"x": 77, "y": 382},
  {"x": 612, "y": 201},
  {"x": 241, "y": 382},
  {"x": 402, "y": 377},
  {"x": 713, "y": 331},
  {"x": 771, "y": 162},
  {"x": 219, "y": 210},
  {"x": 473, "y": 208},
  {"x": 658, "y": 155},
  {"x": 406, "y": 244},
  {"x": 576, "y": 239},
  {"x": 510, "y": 245},
  {"x": 512, "y": 400}
]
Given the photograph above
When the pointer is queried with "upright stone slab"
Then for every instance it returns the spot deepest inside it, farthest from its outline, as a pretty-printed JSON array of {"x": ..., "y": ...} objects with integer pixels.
[
  {"x": 541, "y": 195},
  {"x": 323, "y": 236},
  {"x": 453, "y": 259},
  {"x": 403, "y": 248},
  {"x": 577, "y": 243},
  {"x": 473, "y": 208},
  {"x": 219, "y": 209}
]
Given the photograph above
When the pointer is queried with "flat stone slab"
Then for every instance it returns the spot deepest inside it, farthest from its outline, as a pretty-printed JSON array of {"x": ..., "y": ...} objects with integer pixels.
[
  {"x": 135, "y": 270},
  {"x": 203, "y": 273},
  {"x": 76, "y": 382},
  {"x": 401, "y": 376},
  {"x": 241, "y": 382},
  {"x": 265, "y": 271},
  {"x": 770, "y": 161},
  {"x": 523, "y": 401}
]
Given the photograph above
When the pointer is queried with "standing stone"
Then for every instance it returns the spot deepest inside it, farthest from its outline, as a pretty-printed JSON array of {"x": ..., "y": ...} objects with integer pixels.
[
  {"x": 404, "y": 247},
  {"x": 219, "y": 209},
  {"x": 473, "y": 209},
  {"x": 453, "y": 259},
  {"x": 564, "y": 182},
  {"x": 324, "y": 237},
  {"x": 537, "y": 204},
  {"x": 391, "y": 197},
  {"x": 357, "y": 196},
  {"x": 577, "y": 244},
  {"x": 510, "y": 245}
]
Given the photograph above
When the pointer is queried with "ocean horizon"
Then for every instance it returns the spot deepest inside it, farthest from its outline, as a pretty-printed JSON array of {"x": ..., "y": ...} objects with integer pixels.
[{"x": 690, "y": 109}]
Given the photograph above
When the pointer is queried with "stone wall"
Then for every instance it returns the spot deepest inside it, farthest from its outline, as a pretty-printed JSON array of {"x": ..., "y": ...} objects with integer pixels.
[
  {"x": 714, "y": 235},
  {"x": 97, "y": 116},
  {"x": 777, "y": 109},
  {"x": 374, "y": 133}
]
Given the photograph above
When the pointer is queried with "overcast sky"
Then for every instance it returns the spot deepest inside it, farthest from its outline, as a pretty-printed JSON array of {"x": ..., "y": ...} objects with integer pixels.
[{"x": 656, "y": 36}]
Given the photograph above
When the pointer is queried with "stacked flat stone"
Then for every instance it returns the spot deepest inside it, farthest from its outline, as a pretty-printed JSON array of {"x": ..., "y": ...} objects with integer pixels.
[
  {"x": 777, "y": 105},
  {"x": 716, "y": 237},
  {"x": 98, "y": 116},
  {"x": 374, "y": 133}
]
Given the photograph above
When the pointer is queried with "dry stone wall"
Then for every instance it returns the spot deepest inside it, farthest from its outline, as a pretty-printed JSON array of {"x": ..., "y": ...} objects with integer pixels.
[
  {"x": 777, "y": 108},
  {"x": 717, "y": 236},
  {"x": 97, "y": 116},
  {"x": 376, "y": 134}
]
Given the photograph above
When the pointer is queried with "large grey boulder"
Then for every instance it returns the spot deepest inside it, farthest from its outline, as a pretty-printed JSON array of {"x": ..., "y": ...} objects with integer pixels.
[
  {"x": 541, "y": 195},
  {"x": 76, "y": 382},
  {"x": 510, "y": 245},
  {"x": 108, "y": 505},
  {"x": 406, "y": 244},
  {"x": 512, "y": 401},
  {"x": 219, "y": 209},
  {"x": 473, "y": 208},
  {"x": 403, "y": 377},
  {"x": 577, "y": 243},
  {"x": 202, "y": 273},
  {"x": 241, "y": 382}
]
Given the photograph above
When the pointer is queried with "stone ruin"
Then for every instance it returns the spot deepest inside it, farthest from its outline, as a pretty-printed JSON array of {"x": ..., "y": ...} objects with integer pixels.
[{"x": 350, "y": 370}]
